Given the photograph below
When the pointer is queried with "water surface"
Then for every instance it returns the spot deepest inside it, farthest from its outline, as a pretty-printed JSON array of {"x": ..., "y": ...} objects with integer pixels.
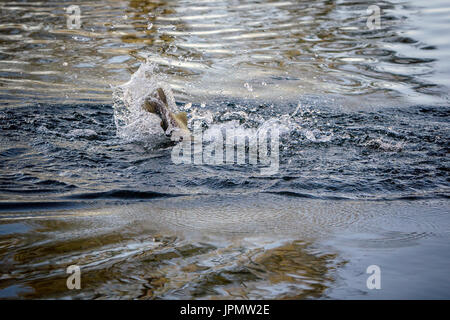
[{"x": 363, "y": 176}]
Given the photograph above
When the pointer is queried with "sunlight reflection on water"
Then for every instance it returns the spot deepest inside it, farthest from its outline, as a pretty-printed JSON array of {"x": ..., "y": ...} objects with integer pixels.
[{"x": 212, "y": 49}]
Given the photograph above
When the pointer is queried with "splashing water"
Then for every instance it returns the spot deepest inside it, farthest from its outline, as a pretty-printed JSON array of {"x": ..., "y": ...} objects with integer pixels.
[
  {"x": 134, "y": 124},
  {"x": 362, "y": 179}
]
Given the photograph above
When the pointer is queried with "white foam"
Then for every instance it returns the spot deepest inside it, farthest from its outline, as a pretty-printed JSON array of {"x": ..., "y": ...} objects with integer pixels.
[{"x": 133, "y": 123}]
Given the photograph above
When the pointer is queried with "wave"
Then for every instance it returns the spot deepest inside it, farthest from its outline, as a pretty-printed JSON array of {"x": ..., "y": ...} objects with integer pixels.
[{"x": 123, "y": 195}]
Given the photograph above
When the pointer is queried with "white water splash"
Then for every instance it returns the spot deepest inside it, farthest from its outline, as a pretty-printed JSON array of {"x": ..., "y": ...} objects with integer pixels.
[{"x": 133, "y": 123}]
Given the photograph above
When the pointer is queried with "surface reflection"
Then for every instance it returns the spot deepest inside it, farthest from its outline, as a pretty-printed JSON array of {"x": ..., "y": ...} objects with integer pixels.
[{"x": 257, "y": 50}]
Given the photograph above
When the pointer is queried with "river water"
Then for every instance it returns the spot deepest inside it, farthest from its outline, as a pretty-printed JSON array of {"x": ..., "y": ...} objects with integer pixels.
[{"x": 362, "y": 179}]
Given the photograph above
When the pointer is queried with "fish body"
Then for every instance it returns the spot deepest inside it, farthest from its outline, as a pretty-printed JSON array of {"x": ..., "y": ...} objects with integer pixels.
[{"x": 173, "y": 124}]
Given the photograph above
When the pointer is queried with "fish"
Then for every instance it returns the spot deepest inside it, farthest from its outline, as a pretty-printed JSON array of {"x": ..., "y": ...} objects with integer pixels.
[{"x": 174, "y": 124}]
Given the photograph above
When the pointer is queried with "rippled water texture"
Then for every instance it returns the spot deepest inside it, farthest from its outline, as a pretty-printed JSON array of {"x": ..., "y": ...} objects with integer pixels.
[
  {"x": 87, "y": 178},
  {"x": 270, "y": 50}
]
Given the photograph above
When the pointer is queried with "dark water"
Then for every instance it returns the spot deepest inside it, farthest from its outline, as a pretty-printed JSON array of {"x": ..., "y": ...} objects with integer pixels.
[
  {"x": 71, "y": 153},
  {"x": 363, "y": 176}
]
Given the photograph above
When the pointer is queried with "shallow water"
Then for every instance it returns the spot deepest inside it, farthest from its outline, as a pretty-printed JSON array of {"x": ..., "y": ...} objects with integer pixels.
[{"x": 87, "y": 179}]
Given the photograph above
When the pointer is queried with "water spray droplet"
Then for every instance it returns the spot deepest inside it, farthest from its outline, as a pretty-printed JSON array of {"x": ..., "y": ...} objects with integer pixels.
[{"x": 248, "y": 87}]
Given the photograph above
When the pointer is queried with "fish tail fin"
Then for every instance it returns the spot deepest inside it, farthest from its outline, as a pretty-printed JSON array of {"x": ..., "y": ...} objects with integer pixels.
[
  {"x": 161, "y": 95},
  {"x": 150, "y": 106}
]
